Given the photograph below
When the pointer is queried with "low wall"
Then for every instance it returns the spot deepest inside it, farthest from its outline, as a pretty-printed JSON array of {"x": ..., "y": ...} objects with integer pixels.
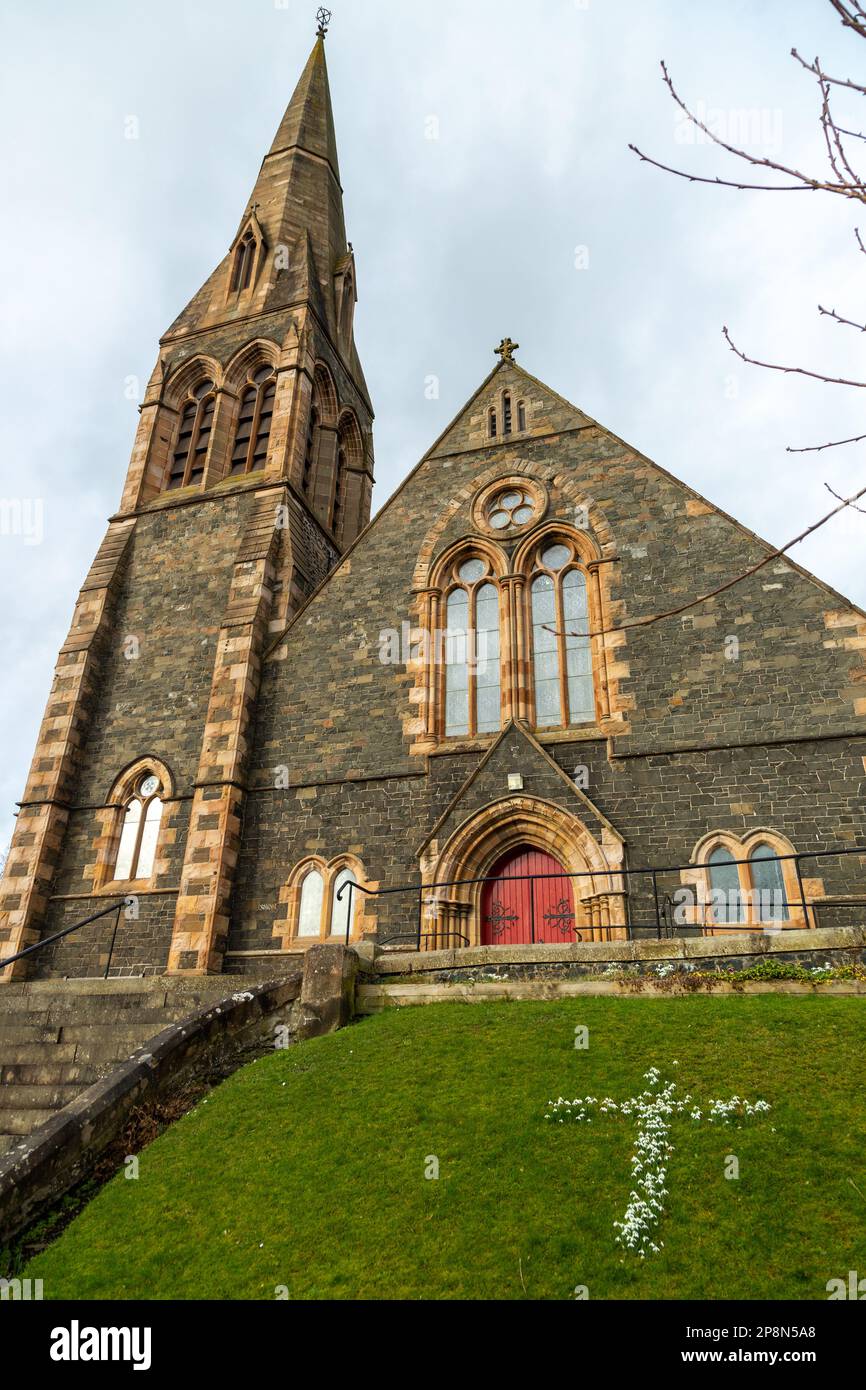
[{"x": 584, "y": 960}]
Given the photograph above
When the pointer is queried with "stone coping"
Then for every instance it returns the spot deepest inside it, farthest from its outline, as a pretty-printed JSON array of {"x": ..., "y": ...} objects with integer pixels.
[
  {"x": 696, "y": 948},
  {"x": 373, "y": 999}
]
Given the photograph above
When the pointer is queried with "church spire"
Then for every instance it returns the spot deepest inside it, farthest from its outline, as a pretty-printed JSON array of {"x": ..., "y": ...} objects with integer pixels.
[
  {"x": 292, "y": 223},
  {"x": 309, "y": 120}
]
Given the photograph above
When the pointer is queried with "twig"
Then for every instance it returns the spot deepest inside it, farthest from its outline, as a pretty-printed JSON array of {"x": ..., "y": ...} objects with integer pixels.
[
  {"x": 831, "y": 314},
  {"x": 797, "y": 371},
  {"x": 834, "y": 444},
  {"x": 839, "y": 498}
]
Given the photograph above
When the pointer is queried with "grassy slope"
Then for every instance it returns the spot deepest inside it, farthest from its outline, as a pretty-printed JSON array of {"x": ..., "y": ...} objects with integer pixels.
[{"x": 306, "y": 1169}]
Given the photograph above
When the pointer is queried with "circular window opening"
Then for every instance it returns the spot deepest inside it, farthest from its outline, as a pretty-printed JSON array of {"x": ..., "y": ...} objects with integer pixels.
[
  {"x": 511, "y": 508},
  {"x": 472, "y": 571},
  {"x": 556, "y": 557}
]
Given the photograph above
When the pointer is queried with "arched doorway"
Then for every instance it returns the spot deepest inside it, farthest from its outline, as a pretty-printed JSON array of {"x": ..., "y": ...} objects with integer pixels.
[{"x": 528, "y": 898}]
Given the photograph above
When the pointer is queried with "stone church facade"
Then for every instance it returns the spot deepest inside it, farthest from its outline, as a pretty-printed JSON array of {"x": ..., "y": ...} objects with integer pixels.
[{"x": 265, "y": 697}]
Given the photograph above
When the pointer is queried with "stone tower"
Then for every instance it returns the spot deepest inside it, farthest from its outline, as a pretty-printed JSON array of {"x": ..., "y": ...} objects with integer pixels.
[{"x": 251, "y": 473}]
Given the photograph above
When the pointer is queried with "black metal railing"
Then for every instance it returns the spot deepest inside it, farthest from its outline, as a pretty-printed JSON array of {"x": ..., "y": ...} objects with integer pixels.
[
  {"x": 665, "y": 916},
  {"x": 116, "y": 908}
]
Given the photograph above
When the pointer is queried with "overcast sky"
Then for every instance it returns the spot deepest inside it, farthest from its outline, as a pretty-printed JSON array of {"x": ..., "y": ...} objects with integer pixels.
[{"x": 527, "y": 216}]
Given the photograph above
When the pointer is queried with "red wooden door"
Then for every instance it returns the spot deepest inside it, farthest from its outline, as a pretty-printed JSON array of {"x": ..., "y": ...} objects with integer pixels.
[{"x": 517, "y": 910}]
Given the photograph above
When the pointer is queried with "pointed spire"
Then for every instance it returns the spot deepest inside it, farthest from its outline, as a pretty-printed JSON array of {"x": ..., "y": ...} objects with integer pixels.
[
  {"x": 297, "y": 209},
  {"x": 309, "y": 120}
]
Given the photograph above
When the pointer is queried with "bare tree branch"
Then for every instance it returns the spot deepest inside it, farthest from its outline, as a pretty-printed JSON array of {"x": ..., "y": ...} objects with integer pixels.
[
  {"x": 724, "y": 183},
  {"x": 849, "y": 323},
  {"x": 796, "y": 371},
  {"x": 834, "y": 81},
  {"x": 853, "y": 16},
  {"x": 839, "y": 498},
  {"x": 834, "y": 444}
]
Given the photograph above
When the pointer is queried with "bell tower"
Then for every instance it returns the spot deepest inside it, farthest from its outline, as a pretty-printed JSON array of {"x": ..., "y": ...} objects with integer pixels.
[{"x": 251, "y": 473}]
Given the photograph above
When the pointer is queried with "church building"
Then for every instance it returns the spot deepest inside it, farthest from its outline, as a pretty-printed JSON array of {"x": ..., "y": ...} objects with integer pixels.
[{"x": 507, "y": 695}]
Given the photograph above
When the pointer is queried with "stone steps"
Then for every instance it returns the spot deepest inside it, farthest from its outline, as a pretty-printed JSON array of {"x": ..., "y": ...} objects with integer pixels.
[
  {"x": 57, "y": 1037},
  {"x": 15, "y": 1097}
]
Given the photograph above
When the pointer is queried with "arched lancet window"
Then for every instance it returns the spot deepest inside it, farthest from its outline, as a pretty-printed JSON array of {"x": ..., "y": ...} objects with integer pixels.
[
  {"x": 316, "y": 911},
  {"x": 491, "y": 423},
  {"x": 310, "y": 906},
  {"x": 561, "y": 643},
  {"x": 339, "y": 491},
  {"x": 768, "y": 885},
  {"x": 193, "y": 437},
  {"x": 724, "y": 875},
  {"x": 340, "y": 906},
  {"x": 254, "y": 423},
  {"x": 506, "y": 413},
  {"x": 311, "y": 450},
  {"x": 521, "y": 416},
  {"x": 473, "y": 696},
  {"x": 245, "y": 255},
  {"x": 136, "y": 852}
]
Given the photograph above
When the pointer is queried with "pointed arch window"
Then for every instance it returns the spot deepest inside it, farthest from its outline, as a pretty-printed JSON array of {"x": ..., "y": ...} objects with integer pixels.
[
  {"x": 310, "y": 906},
  {"x": 563, "y": 685},
  {"x": 339, "y": 491},
  {"x": 311, "y": 450},
  {"x": 244, "y": 261},
  {"x": 768, "y": 884},
  {"x": 139, "y": 836},
  {"x": 316, "y": 909},
  {"x": 506, "y": 413},
  {"x": 340, "y": 906},
  {"x": 193, "y": 437},
  {"x": 254, "y": 423},
  {"x": 491, "y": 422},
  {"x": 753, "y": 881},
  {"x": 473, "y": 682},
  {"x": 727, "y": 903},
  {"x": 521, "y": 416}
]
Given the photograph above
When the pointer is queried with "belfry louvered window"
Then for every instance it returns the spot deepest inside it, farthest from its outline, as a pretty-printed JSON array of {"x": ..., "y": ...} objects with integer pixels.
[
  {"x": 254, "y": 423},
  {"x": 193, "y": 437}
]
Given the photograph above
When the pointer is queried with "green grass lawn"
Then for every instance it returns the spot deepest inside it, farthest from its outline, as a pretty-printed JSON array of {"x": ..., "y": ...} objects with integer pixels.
[{"x": 307, "y": 1168}]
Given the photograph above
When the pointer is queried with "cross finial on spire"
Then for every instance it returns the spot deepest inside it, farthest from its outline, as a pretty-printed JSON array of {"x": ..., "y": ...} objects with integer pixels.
[
  {"x": 324, "y": 18},
  {"x": 507, "y": 349}
]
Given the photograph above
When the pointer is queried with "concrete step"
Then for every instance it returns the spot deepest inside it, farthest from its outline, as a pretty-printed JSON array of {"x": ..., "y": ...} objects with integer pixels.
[
  {"x": 119, "y": 1036},
  {"x": 16, "y": 1098},
  {"x": 47, "y": 1073},
  {"x": 17, "y": 1054},
  {"x": 17, "y": 1033},
  {"x": 20, "y": 1123}
]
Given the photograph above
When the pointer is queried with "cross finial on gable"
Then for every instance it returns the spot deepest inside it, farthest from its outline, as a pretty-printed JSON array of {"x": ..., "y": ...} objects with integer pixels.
[
  {"x": 324, "y": 18},
  {"x": 506, "y": 350}
]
